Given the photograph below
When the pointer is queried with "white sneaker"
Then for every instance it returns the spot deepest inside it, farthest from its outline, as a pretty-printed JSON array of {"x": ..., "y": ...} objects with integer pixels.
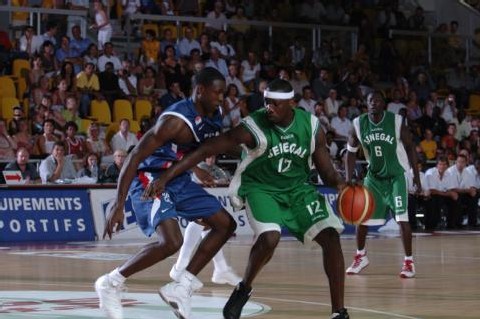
[
  {"x": 110, "y": 297},
  {"x": 227, "y": 276},
  {"x": 359, "y": 262},
  {"x": 408, "y": 269},
  {"x": 175, "y": 273},
  {"x": 178, "y": 295}
]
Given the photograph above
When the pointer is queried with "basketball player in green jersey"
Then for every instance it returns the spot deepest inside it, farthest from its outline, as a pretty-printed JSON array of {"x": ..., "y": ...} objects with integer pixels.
[
  {"x": 390, "y": 152},
  {"x": 281, "y": 142}
]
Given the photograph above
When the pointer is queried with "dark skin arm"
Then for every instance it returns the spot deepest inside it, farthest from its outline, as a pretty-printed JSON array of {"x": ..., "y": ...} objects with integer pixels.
[
  {"x": 220, "y": 144},
  {"x": 407, "y": 141},
  {"x": 323, "y": 163},
  {"x": 169, "y": 129},
  {"x": 351, "y": 156}
]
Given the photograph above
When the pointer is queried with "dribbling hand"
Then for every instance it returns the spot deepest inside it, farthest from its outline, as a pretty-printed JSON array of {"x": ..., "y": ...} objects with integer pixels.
[
  {"x": 154, "y": 189},
  {"x": 114, "y": 220}
]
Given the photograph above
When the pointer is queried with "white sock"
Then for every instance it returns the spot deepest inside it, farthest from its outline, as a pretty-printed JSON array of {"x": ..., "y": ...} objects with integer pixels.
[
  {"x": 361, "y": 252},
  {"x": 219, "y": 262},
  {"x": 409, "y": 258},
  {"x": 191, "y": 239},
  {"x": 116, "y": 277}
]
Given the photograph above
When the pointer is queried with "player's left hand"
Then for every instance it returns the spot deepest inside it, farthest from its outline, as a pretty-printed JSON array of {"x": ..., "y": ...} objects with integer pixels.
[{"x": 205, "y": 177}]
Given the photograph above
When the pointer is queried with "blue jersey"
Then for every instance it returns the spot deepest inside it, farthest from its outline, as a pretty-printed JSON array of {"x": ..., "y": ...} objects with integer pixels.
[{"x": 202, "y": 128}]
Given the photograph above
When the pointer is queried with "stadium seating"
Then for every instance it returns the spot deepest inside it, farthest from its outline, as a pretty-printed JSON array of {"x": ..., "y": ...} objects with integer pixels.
[
  {"x": 122, "y": 109},
  {"x": 143, "y": 108}
]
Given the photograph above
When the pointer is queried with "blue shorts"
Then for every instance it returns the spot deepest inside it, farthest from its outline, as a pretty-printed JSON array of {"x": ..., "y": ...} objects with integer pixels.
[{"x": 182, "y": 197}]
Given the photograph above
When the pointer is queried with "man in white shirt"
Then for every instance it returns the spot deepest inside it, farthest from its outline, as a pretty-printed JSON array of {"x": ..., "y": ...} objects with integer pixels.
[
  {"x": 331, "y": 103},
  {"x": 216, "y": 18},
  {"x": 307, "y": 103},
  {"x": 440, "y": 185},
  {"x": 57, "y": 166},
  {"x": 464, "y": 182},
  {"x": 217, "y": 62},
  {"x": 226, "y": 50},
  {"x": 109, "y": 56},
  {"x": 341, "y": 124},
  {"x": 123, "y": 139},
  {"x": 127, "y": 81},
  {"x": 29, "y": 42},
  {"x": 395, "y": 105},
  {"x": 188, "y": 43}
]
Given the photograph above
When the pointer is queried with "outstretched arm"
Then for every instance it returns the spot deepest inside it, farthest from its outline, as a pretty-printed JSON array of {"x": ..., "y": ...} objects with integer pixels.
[
  {"x": 220, "y": 144},
  {"x": 323, "y": 163}
]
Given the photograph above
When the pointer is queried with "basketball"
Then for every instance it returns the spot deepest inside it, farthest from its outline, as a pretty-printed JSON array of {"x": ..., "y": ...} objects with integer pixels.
[{"x": 355, "y": 204}]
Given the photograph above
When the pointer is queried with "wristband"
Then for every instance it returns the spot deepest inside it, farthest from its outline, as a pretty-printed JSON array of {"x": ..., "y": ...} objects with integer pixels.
[{"x": 351, "y": 148}]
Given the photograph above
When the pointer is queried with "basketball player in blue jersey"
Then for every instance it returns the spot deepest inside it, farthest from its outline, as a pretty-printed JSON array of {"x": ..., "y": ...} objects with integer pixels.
[{"x": 179, "y": 130}]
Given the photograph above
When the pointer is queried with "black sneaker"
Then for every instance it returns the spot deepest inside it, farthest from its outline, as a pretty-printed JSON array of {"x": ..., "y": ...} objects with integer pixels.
[
  {"x": 340, "y": 314},
  {"x": 238, "y": 299}
]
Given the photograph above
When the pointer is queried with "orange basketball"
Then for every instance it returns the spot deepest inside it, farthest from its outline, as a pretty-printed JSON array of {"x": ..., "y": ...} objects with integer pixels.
[{"x": 355, "y": 204}]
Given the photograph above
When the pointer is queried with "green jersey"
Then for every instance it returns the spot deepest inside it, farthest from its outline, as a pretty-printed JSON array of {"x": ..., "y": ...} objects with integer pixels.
[
  {"x": 384, "y": 151},
  {"x": 281, "y": 159}
]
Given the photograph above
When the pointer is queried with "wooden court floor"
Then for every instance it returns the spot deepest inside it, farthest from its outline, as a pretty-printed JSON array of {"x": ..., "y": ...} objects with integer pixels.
[{"x": 293, "y": 285}]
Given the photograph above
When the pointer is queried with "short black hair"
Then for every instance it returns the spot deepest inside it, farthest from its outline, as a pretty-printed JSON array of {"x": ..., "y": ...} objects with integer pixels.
[
  {"x": 209, "y": 75},
  {"x": 279, "y": 85}
]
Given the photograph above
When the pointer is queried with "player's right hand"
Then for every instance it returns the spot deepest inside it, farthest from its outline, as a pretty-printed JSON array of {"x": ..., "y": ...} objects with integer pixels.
[
  {"x": 154, "y": 189},
  {"x": 114, "y": 220}
]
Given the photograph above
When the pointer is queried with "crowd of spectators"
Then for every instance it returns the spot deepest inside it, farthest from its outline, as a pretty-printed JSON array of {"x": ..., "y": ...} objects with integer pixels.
[{"x": 70, "y": 70}]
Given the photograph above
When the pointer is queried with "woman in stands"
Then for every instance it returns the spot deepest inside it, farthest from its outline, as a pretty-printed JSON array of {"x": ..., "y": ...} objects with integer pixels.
[
  {"x": 49, "y": 62},
  {"x": 91, "y": 55},
  {"x": 36, "y": 71},
  {"x": 102, "y": 24},
  {"x": 7, "y": 143},
  {"x": 47, "y": 140},
  {"x": 75, "y": 146},
  {"x": 146, "y": 85},
  {"x": 23, "y": 138}
]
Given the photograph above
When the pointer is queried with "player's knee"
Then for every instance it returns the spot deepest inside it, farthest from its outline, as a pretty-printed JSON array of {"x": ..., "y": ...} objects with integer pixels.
[
  {"x": 328, "y": 237},
  {"x": 269, "y": 240}
]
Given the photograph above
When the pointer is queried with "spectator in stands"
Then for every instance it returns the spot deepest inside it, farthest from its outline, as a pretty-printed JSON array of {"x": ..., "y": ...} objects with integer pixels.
[
  {"x": 321, "y": 113},
  {"x": 75, "y": 145},
  {"x": 396, "y": 104},
  {"x": 188, "y": 43},
  {"x": 67, "y": 72},
  {"x": 29, "y": 42},
  {"x": 127, "y": 81},
  {"x": 216, "y": 18},
  {"x": 174, "y": 95},
  {"x": 226, "y": 50},
  {"x": 465, "y": 187},
  {"x": 59, "y": 96},
  {"x": 147, "y": 84},
  {"x": 129, "y": 7},
  {"x": 22, "y": 136},
  {"x": 429, "y": 145},
  {"x": 70, "y": 113},
  {"x": 217, "y": 62},
  {"x": 231, "y": 109},
  {"x": 432, "y": 102},
  {"x": 299, "y": 80},
  {"x": 250, "y": 70},
  {"x": 462, "y": 122},
  {"x": 414, "y": 112},
  {"x": 109, "y": 86},
  {"x": 440, "y": 185},
  {"x": 321, "y": 85},
  {"x": 91, "y": 167},
  {"x": 78, "y": 42},
  {"x": 57, "y": 166},
  {"x": 353, "y": 109},
  {"x": 172, "y": 70},
  {"x": 102, "y": 25},
  {"x": 350, "y": 87},
  {"x": 256, "y": 100},
  {"x": 49, "y": 62},
  {"x": 168, "y": 40},
  {"x": 96, "y": 144},
  {"x": 232, "y": 78},
  {"x": 109, "y": 56},
  {"x": 123, "y": 139},
  {"x": 423, "y": 87},
  {"x": 14, "y": 122},
  {"x": 21, "y": 163},
  {"x": 449, "y": 141},
  {"x": 386, "y": 20},
  {"x": 47, "y": 140},
  {"x": 91, "y": 55},
  {"x": 332, "y": 146},
  {"x": 449, "y": 110},
  {"x": 150, "y": 50},
  {"x": 7, "y": 143},
  {"x": 145, "y": 125},
  {"x": 68, "y": 54},
  {"x": 113, "y": 170},
  {"x": 205, "y": 46},
  {"x": 341, "y": 124},
  {"x": 296, "y": 52},
  {"x": 89, "y": 88},
  {"x": 307, "y": 102},
  {"x": 50, "y": 33},
  {"x": 417, "y": 20},
  {"x": 332, "y": 104},
  {"x": 36, "y": 72}
]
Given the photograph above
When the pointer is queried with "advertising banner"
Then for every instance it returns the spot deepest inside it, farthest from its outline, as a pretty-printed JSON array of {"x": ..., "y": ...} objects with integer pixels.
[{"x": 45, "y": 215}]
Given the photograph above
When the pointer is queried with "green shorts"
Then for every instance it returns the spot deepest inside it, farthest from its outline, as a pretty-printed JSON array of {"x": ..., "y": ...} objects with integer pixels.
[
  {"x": 304, "y": 212},
  {"x": 389, "y": 193}
]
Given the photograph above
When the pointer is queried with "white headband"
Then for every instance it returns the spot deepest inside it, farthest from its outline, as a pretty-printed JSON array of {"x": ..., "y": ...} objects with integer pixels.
[{"x": 278, "y": 95}]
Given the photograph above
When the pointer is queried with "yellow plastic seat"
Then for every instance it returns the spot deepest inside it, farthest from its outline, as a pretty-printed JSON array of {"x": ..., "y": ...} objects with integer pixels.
[
  {"x": 100, "y": 111},
  {"x": 7, "y": 87},
  {"x": 84, "y": 124},
  {"x": 7, "y": 107},
  {"x": 143, "y": 108},
  {"x": 20, "y": 68},
  {"x": 122, "y": 109},
  {"x": 134, "y": 126},
  {"x": 111, "y": 130}
]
